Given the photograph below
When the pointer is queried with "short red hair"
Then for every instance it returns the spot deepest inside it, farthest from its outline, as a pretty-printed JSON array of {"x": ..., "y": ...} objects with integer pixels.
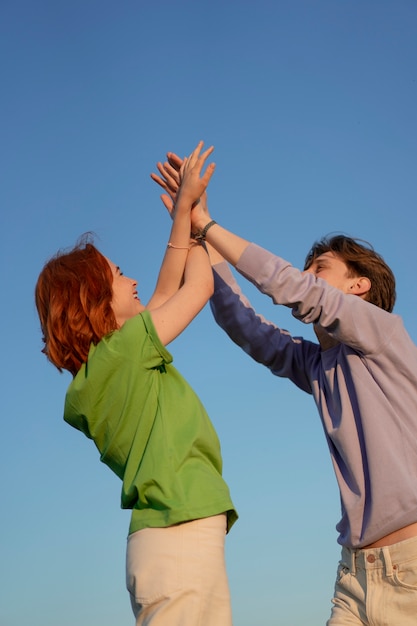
[{"x": 73, "y": 297}]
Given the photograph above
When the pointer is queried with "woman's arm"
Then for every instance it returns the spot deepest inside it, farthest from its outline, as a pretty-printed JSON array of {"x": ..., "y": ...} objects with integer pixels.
[
  {"x": 192, "y": 185},
  {"x": 174, "y": 315}
]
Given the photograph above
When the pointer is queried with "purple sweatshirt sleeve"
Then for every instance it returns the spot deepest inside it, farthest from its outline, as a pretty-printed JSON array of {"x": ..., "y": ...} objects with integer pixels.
[{"x": 286, "y": 356}]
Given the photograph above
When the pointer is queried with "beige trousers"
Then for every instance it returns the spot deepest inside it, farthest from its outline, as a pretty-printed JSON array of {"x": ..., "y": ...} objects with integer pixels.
[
  {"x": 377, "y": 586},
  {"x": 176, "y": 576}
]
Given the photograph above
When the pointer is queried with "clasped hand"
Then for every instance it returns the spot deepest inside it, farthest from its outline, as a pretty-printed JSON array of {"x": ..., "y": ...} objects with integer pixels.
[{"x": 182, "y": 176}]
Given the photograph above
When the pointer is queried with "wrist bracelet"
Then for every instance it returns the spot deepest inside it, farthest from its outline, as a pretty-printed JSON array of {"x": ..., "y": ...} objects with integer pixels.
[
  {"x": 201, "y": 236},
  {"x": 171, "y": 245},
  {"x": 194, "y": 242}
]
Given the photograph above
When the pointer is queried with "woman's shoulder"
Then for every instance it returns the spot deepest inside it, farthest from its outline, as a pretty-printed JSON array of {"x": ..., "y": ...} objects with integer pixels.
[{"x": 137, "y": 337}]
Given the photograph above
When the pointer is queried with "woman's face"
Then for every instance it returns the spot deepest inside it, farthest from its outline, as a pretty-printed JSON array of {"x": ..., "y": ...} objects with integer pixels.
[{"x": 125, "y": 302}]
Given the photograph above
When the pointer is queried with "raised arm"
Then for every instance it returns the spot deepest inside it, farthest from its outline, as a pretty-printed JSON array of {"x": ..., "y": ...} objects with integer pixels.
[
  {"x": 174, "y": 315},
  {"x": 193, "y": 184}
]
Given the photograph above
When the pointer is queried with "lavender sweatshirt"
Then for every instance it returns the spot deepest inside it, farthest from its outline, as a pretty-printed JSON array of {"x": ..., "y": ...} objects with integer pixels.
[{"x": 365, "y": 387}]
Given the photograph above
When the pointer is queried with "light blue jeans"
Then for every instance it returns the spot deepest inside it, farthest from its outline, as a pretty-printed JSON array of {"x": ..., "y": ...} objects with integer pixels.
[
  {"x": 377, "y": 586},
  {"x": 176, "y": 576}
]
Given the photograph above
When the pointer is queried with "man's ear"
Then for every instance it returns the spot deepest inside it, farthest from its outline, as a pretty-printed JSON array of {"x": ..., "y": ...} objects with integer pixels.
[{"x": 360, "y": 285}]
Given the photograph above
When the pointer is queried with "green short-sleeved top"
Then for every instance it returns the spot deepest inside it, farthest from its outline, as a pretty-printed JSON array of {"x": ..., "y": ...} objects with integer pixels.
[{"x": 150, "y": 429}]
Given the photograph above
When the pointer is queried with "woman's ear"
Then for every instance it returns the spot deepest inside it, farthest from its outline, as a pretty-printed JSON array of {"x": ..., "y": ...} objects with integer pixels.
[{"x": 360, "y": 285}]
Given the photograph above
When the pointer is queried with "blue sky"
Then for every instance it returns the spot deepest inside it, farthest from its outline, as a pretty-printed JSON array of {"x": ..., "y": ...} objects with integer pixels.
[{"x": 311, "y": 107}]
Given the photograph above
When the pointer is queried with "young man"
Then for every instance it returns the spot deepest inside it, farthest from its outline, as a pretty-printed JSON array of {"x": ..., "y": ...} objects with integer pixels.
[{"x": 362, "y": 374}]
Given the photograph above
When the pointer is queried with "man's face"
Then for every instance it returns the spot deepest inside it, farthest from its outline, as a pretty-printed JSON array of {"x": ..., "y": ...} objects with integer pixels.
[{"x": 334, "y": 271}]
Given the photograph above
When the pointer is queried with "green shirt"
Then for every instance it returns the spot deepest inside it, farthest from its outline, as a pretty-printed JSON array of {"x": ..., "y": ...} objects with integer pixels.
[{"x": 150, "y": 429}]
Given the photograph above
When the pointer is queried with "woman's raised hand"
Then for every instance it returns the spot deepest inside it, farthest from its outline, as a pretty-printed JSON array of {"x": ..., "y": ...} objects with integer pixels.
[{"x": 183, "y": 177}]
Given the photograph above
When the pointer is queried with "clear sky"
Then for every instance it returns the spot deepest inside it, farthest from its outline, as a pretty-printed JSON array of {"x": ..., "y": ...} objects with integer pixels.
[{"x": 311, "y": 107}]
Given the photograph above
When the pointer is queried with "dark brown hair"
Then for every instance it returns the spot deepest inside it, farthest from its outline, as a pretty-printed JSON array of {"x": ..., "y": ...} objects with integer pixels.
[
  {"x": 361, "y": 260},
  {"x": 73, "y": 297}
]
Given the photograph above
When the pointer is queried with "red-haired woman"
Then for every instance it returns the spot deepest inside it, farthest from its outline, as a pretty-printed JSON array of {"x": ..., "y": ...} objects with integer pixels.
[{"x": 147, "y": 423}]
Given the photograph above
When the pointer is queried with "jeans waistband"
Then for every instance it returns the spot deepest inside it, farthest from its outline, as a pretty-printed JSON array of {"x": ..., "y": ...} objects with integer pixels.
[{"x": 385, "y": 557}]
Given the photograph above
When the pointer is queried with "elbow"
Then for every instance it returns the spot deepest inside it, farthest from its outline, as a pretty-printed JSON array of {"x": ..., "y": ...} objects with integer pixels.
[
  {"x": 206, "y": 288},
  {"x": 206, "y": 283},
  {"x": 210, "y": 285},
  {"x": 206, "y": 291}
]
